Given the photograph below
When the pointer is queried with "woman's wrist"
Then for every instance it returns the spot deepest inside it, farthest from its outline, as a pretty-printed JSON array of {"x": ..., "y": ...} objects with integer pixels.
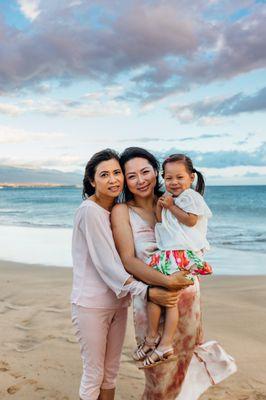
[{"x": 167, "y": 282}]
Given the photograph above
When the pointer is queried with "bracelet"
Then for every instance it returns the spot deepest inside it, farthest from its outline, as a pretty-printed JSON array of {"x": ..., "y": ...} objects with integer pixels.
[{"x": 148, "y": 293}]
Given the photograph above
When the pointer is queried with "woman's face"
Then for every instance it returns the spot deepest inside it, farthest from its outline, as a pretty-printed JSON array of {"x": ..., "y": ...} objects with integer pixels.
[
  {"x": 108, "y": 179},
  {"x": 140, "y": 177}
]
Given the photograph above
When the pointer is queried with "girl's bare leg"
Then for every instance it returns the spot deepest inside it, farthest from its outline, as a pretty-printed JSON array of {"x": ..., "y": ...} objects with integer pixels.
[
  {"x": 170, "y": 325},
  {"x": 165, "y": 347},
  {"x": 154, "y": 314}
]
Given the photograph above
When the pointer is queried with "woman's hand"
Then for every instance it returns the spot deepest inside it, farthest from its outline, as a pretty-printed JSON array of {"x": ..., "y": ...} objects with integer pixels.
[
  {"x": 163, "y": 297},
  {"x": 178, "y": 280}
]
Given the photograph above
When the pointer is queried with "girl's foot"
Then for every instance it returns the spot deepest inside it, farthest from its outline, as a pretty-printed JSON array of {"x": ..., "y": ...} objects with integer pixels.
[
  {"x": 158, "y": 357},
  {"x": 145, "y": 347}
]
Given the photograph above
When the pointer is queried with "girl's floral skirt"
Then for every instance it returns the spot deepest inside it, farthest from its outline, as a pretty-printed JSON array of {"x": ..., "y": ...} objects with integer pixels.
[{"x": 170, "y": 261}]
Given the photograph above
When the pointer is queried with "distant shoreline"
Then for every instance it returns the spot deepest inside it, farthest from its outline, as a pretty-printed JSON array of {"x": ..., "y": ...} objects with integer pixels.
[
  {"x": 66, "y": 185},
  {"x": 36, "y": 185}
]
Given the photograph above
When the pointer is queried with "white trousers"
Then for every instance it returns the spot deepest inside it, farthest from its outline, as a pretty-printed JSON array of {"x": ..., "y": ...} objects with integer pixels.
[{"x": 100, "y": 333}]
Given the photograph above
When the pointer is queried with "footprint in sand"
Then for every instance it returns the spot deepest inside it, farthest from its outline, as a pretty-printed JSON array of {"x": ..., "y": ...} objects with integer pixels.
[
  {"x": 15, "y": 388},
  {"x": 27, "y": 344},
  {"x": 4, "y": 366},
  {"x": 69, "y": 339},
  {"x": 260, "y": 396},
  {"x": 22, "y": 327},
  {"x": 55, "y": 309},
  {"x": 11, "y": 306}
]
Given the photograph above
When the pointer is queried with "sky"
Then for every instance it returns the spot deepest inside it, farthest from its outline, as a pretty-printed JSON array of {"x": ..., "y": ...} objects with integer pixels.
[{"x": 167, "y": 75}]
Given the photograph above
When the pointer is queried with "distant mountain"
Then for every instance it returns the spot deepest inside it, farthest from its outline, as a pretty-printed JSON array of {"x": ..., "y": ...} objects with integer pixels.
[{"x": 26, "y": 175}]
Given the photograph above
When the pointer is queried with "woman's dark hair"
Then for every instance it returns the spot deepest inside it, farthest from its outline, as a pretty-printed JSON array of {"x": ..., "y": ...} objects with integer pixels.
[
  {"x": 96, "y": 159},
  {"x": 138, "y": 152},
  {"x": 200, "y": 186}
]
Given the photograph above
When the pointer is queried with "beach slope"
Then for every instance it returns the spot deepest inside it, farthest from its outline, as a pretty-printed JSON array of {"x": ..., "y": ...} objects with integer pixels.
[{"x": 40, "y": 358}]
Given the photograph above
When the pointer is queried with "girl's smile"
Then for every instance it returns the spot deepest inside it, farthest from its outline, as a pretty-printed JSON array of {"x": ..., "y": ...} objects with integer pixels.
[{"x": 177, "y": 178}]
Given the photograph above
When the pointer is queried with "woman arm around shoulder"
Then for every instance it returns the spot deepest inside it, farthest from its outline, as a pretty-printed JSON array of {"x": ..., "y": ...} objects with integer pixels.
[{"x": 124, "y": 241}]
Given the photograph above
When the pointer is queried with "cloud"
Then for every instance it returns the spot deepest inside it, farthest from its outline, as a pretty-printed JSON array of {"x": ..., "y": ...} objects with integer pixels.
[
  {"x": 88, "y": 106},
  {"x": 160, "y": 46},
  {"x": 9, "y": 135},
  {"x": 246, "y": 139},
  {"x": 176, "y": 139},
  {"x": 222, "y": 159},
  {"x": 63, "y": 162},
  {"x": 10, "y": 109},
  {"x": 239, "y": 103},
  {"x": 30, "y": 8}
]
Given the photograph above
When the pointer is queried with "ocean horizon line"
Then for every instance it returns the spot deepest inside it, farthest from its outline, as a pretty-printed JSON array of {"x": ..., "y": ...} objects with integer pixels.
[{"x": 78, "y": 186}]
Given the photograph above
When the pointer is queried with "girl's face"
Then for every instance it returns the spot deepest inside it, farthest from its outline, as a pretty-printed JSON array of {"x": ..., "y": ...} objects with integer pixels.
[
  {"x": 177, "y": 178},
  {"x": 108, "y": 179},
  {"x": 140, "y": 177}
]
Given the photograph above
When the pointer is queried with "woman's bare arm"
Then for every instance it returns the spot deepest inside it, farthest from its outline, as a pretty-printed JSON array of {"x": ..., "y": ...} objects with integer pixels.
[
  {"x": 124, "y": 241},
  {"x": 159, "y": 208}
]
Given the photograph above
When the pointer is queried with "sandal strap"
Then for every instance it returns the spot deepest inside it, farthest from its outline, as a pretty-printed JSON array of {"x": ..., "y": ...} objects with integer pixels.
[
  {"x": 163, "y": 355},
  {"x": 140, "y": 353},
  {"x": 160, "y": 354}
]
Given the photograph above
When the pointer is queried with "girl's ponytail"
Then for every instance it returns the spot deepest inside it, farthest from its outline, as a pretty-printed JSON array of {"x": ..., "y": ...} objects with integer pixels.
[{"x": 200, "y": 186}]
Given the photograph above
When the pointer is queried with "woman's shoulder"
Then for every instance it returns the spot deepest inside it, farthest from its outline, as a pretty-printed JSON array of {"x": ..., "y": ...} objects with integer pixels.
[
  {"x": 120, "y": 210},
  {"x": 91, "y": 209}
]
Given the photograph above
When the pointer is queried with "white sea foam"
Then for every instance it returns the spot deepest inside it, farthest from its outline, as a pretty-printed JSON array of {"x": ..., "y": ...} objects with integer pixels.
[
  {"x": 36, "y": 245},
  {"x": 53, "y": 247}
]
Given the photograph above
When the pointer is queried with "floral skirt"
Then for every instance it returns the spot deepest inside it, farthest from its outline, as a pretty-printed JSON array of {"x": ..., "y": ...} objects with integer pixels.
[{"x": 170, "y": 261}]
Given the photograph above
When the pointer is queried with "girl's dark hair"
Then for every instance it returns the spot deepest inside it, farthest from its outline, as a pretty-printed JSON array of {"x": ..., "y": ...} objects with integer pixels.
[
  {"x": 200, "y": 186},
  {"x": 134, "y": 152},
  {"x": 96, "y": 159}
]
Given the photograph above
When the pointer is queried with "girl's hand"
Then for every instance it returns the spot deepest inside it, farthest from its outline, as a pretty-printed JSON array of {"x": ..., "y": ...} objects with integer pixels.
[
  {"x": 160, "y": 202},
  {"x": 167, "y": 201},
  {"x": 178, "y": 280}
]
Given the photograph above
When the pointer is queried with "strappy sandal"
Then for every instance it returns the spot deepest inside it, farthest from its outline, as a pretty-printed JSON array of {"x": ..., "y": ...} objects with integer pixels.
[
  {"x": 140, "y": 354},
  {"x": 161, "y": 357}
]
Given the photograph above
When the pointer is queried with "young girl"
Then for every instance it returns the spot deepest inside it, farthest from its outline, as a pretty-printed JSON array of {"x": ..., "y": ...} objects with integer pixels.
[{"x": 181, "y": 238}]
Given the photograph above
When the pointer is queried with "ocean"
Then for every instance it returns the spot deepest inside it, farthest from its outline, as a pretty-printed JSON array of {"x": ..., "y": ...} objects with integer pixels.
[{"x": 238, "y": 222}]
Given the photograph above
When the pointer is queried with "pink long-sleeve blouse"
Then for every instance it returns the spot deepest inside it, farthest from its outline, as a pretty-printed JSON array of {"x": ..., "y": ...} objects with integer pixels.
[{"x": 98, "y": 274}]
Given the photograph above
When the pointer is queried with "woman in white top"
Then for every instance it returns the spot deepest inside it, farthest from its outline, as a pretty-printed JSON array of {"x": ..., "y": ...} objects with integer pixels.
[{"x": 101, "y": 285}]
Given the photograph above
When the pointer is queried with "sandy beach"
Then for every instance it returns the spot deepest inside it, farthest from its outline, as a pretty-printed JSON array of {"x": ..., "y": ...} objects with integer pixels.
[{"x": 40, "y": 357}]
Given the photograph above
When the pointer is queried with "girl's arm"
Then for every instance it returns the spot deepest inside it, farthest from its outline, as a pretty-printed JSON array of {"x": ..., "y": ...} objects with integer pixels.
[
  {"x": 124, "y": 241},
  {"x": 184, "y": 217}
]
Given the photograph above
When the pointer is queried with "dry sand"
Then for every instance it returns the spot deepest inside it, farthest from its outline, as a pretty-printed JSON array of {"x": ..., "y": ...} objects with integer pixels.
[{"x": 39, "y": 356}]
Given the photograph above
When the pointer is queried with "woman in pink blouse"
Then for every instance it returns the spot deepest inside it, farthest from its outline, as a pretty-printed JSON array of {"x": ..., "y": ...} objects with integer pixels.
[{"x": 101, "y": 286}]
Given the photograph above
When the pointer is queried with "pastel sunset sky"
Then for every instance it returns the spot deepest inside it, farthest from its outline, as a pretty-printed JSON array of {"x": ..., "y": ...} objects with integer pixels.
[{"x": 171, "y": 76}]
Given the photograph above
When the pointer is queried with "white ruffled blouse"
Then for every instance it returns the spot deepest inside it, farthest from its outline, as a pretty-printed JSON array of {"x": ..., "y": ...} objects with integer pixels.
[{"x": 173, "y": 235}]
